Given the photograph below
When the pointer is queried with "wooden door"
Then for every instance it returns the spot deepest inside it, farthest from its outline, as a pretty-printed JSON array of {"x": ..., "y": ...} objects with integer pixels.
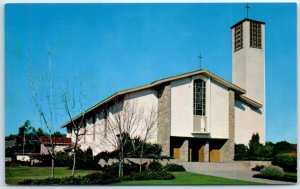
[
  {"x": 190, "y": 154},
  {"x": 176, "y": 153},
  {"x": 201, "y": 154},
  {"x": 214, "y": 155}
]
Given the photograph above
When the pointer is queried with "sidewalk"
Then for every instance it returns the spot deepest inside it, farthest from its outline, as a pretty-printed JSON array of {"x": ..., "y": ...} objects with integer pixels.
[{"x": 235, "y": 170}]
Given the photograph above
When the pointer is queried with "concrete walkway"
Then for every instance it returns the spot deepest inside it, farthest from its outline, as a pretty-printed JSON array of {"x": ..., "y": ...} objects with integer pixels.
[{"x": 235, "y": 170}]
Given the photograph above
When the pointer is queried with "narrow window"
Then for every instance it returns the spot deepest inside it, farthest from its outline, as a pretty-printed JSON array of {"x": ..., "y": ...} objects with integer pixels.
[
  {"x": 199, "y": 97},
  {"x": 94, "y": 125},
  {"x": 238, "y": 37},
  {"x": 255, "y": 35},
  {"x": 105, "y": 124}
]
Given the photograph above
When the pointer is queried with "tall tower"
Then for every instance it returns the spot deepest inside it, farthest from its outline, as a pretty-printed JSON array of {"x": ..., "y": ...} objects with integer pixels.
[{"x": 248, "y": 58}]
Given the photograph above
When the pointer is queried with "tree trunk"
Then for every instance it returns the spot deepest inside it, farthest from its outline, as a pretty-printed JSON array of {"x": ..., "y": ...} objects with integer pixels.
[
  {"x": 141, "y": 158},
  {"x": 52, "y": 167},
  {"x": 121, "y": 161},
  {"x": 74, "y": 163}
]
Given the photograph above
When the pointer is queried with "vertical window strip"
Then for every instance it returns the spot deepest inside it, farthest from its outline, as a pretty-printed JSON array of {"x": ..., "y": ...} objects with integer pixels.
[
  {"x": 199, "y": 97},
  {"x": 255, "y": 35},
  {"x": 94, "y": 125},
  {"x": 105, "y": 124},
  {"x": 238, "y": 37}
]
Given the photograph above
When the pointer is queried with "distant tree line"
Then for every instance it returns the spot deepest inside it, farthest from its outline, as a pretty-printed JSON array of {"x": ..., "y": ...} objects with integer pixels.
[{"x": 27, "y": 139}]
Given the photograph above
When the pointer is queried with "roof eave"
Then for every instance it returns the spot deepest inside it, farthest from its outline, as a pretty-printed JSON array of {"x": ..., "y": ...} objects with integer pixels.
[
  {"x": 160, "y": 82},
  {"x": 250, "y": 101}
]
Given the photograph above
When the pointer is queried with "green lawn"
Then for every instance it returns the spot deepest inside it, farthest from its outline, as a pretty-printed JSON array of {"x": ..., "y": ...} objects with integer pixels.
[
  {"x": 15, "y": 174},
  {"x": 186, "y": 178}
]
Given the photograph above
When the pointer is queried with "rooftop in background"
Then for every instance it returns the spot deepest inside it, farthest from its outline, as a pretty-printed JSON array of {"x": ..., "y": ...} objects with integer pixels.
[{"x": 56, "y": 140}]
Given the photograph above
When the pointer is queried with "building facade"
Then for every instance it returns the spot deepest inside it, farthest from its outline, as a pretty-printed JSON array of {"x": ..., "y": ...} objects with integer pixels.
[{"x": 199, "y": 115}]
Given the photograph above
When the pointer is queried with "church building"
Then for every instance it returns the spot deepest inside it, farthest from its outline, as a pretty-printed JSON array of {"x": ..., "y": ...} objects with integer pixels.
[{"x": 200, "y": 116}]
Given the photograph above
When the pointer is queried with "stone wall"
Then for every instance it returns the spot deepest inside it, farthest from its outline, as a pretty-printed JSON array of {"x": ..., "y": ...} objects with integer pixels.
[
  {"x": 164, "y": 118},
  {"x": 184, "y": 151},
  {"x": 227, "y": 150}
]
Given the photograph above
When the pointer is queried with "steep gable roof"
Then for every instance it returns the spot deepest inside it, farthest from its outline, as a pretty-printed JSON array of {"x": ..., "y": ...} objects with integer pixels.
[{"x": 239, "y": 91}]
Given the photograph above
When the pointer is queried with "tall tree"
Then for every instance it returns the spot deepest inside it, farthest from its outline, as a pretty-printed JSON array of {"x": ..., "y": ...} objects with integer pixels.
[
  {"x": 255, "y": 147},
  {"x": 43, "y": 97},
  {"x": 73, "y": 102}
]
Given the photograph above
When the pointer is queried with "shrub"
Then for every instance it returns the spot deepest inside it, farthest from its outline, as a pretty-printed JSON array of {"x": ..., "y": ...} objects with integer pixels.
[
  {"x": 90, "y": 179},
  {"x": 287, "y": 162},
  {"x": 155, "y": 166},
  {"x": 255, "y": 147},
  {"x": 174, "y": 167},
  {"x": 150, "y": 175},
  {"x": 272, "y": 171},
  {"x": 241, "y": 152},
  {"x": 258, "y": 167},
  {"x": 128, "y": 168}
]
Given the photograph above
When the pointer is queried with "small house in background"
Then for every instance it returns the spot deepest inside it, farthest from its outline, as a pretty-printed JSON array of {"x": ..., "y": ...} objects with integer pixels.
[{"x": 60, "y": 143}]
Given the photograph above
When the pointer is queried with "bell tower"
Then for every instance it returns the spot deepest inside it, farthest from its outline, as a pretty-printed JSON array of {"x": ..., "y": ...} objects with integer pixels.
[{"x": 248, "y": 58}]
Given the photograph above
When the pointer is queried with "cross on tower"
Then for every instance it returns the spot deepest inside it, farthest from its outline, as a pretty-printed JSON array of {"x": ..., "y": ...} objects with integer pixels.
[
  {"x": 200, "y": 58},
  {"x": 247, "y": 8}
]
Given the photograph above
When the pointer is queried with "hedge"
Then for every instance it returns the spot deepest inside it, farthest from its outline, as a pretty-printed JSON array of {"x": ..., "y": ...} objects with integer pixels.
[
  {"x": 90, "y": 179},
  {"x": 150, "y": 175}
]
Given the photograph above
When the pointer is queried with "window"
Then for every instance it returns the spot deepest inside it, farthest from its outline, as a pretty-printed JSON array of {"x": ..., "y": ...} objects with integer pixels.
[
  {"x": 255, "y": 35},
  {"x": 105, "y": 124},
  {"x": 238, "y": 37},
  {"x": 199, "y": 97}
]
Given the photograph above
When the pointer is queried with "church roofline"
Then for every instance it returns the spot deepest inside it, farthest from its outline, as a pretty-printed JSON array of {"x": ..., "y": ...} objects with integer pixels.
[
  {"x": 250, "y": 101},
  {"x": 247, "y": 19},
  {"x": 239, "y": 91}
]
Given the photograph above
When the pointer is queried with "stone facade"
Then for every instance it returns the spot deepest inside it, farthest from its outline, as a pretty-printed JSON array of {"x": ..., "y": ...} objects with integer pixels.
[
  {"x": 184, "y": 151},
  {"x": 227, "y": 150},
  {"x": 164, "y": 119}
]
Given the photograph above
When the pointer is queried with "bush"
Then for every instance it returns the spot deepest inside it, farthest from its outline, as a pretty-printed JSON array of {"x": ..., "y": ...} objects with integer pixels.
[
  {"x": 272, "y": 171},
  {"x": 284, "y": 178},
  {"x": 150, "y": 175},
  {"x": 155, "y": 166},
  {"x": 255, "y": 147},
  {"x": 287, "y": 162},
  {"x": 241, "y": 152},
  {"x": 173, "y": 167},
  {"x": 128, "y": 168},
  {"x": 90, "y": 179},
  {"x": 258, "y": 167}
]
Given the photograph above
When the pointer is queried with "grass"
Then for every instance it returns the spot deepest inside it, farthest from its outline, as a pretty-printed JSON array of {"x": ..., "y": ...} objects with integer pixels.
[
  {"x": 186, "y": 178},
  {"x": 15, "y": 174}
]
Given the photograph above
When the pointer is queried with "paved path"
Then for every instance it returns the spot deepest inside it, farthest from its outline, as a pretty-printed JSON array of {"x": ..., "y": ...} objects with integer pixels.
[{"x": 238, "y": 171}]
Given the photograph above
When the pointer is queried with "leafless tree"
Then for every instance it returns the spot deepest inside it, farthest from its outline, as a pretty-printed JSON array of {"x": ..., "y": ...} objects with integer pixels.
[
  {"x": 124, "y": 120},
  {"x": 150, "y": 123},
  {"x": 44, "y": 102},
  {"x": 78, "y": 126}
]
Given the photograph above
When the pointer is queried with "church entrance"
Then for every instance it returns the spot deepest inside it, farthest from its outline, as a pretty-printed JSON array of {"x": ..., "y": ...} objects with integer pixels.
[
  {"x": 194, "y": 150},
  {"x": 196, "y": 147}
]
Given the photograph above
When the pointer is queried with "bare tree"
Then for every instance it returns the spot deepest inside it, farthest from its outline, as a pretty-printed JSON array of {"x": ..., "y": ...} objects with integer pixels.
[
  {"x": 78, "y": 126},
  {"x": 150, "y": 123},
  {"x": 126, "y": 119},
  {"x": 44, "y": 102}
]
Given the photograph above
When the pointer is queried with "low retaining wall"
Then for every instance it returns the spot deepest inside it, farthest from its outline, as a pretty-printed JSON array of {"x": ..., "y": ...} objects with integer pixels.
[
  {"x": 252, "y": 164},
  {"x": 102, "y": 162}
]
